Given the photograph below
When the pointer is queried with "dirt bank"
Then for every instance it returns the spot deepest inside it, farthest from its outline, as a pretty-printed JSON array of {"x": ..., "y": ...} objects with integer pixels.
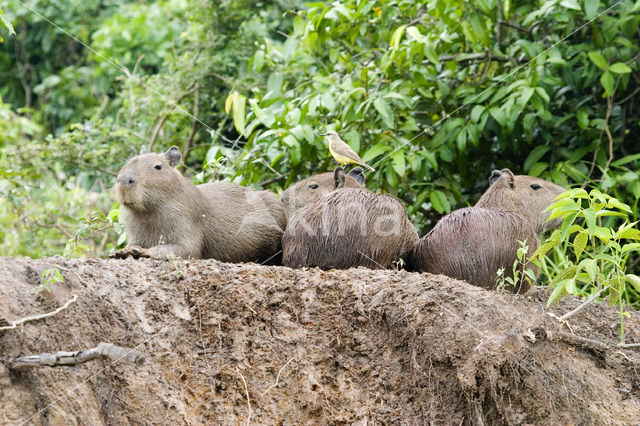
[{"x": 228, "y": 343}]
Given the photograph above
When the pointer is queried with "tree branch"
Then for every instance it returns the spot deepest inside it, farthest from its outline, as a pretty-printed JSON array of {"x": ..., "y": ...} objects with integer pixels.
[
  {"x": 196, "y": 113},
  {"x": 275, "y": 179},
  {"x": 108, "y": 350},
  {"x": 160, "y": 124}
]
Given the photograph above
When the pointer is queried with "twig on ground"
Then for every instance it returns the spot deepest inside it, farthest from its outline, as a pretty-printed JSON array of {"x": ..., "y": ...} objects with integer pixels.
[
  {"x": 579, "y": 308},
  {"x": 572, "y": 339},
  {"x": 246, "y": 389},
  {"x": 277, "y": 378},
  {"x": 16, "y": 323},
  {"x": 108, "y": 350},
  {"x": 629, "y": 345}
]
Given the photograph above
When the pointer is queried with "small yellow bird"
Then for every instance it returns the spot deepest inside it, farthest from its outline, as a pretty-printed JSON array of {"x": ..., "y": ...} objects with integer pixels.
[{"x": 342, "y": 152}]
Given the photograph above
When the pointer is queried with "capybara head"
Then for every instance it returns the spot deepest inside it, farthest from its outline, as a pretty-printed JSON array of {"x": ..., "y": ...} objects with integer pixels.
[
  {"x": 526, "y": 195},
  {"x": 312, "y": 188},
  {"x": 147, "y": 181}
]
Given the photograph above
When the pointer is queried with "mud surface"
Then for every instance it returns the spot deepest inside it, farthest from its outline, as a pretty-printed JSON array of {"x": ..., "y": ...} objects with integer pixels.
[{"x": 229, "y": 343}]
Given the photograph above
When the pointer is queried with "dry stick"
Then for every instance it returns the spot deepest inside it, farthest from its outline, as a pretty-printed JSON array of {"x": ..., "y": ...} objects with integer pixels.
[
  {"x": 246, "y": 389},
  {"x": 608, "y": 132},
  {"x": 160, "y": 124},
  {"x": 579, "y": 308},
  {"x": 629, "y": 345},
  {"x": 572, "y": 339},
  {"x": 196, "y": 113},
  {"x": 277, "y": 378},
  {"x": 16, "y": 323},
  {"x": 103, "y": 349}
]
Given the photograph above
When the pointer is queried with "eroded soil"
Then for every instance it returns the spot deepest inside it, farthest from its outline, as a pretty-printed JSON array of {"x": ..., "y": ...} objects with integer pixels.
[{"x": 228, "y": 343}]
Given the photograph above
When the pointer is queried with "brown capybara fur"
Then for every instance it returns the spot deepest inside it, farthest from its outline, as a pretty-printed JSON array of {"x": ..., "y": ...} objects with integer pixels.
[
  {"x": 314, "y": 187},
  {"x": 348, "y": 228},
  {"x": 474, "y": 242},
  {"x": 167, "y": 215}
]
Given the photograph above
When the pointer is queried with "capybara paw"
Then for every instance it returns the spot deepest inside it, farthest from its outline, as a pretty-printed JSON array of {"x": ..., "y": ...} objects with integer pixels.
[{"x": 134, "y": 251}]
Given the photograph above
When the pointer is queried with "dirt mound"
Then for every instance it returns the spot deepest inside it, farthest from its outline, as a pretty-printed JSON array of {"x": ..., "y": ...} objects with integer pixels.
[{"x": 232, "y": 343}]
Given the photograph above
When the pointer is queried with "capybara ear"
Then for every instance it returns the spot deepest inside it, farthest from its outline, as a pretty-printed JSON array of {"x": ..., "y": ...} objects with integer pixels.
[
  {"x": 173, "y": 155},
  {"x": 358, "y": 174},
  {"x": 507, "y": 179},
  {"x": 143, "y": 150},
  {"x": 495, "y": 175},
  {"x": 338, "y": 178}
]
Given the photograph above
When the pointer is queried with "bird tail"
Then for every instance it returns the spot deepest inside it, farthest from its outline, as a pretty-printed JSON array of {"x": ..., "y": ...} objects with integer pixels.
[{"x": 368, "y": 167}]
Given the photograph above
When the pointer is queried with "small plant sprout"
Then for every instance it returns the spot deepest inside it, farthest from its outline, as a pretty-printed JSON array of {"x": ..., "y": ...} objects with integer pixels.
[
  {"x": 521, "y": 275},
  {"x": 49, "y": 278},
  {"x": 594, "y": 256}
]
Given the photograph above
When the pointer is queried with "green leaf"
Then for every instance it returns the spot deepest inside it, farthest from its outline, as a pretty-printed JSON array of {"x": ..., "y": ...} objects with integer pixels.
[
  {"x": 239, "y": 102},
  {"x": 630, "y": 247},
  {"x": 629, "y": 234},
  {"x": 543, "y": 249},
  {"x": 476, "y": 112},
  {"x": 590, "y": 218},
  {"x": 627, "y": 159},
  {"x": 228, "y": 103},
  {"x": 607, "y": 82},
  {"x": 534, "y": 156},
  {"x": 591, "y": 266},
  {"x": 414, "y": 33},
  {"x": 385, "y": 111},
  {"x": 298, "y": 25},
  {"x": 439, "y": 201},
  {"x": 591, "y": 8},
  {"x": 566, "y": 225},
  {"x": 597, "y": 59},
  {"x": 583, "y": 117},
  {"x": 398, "y": 162},
  {"x": 397, "y": 35},
  {"x": 6, "y": 23},
  {"x": 266, "y": 117},
  {"x": 634, "y": 280},
  {"x": 619, "y": 68},
  {"x": 613, "y": 202},
  {"x": 557, "y": 293},
  {"x": 375, "y": 151},
  {"x": 579, "y": 243},
  {"x": 570, "y": 4}
]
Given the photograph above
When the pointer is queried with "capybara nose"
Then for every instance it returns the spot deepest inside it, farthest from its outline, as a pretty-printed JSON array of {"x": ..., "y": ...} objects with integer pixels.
[{"x": 126, "y": 180}]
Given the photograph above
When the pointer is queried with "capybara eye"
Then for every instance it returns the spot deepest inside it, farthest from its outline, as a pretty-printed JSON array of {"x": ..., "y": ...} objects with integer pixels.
[
  {"x": 313, "y": 186},
  {"x": 158, "y": 167},
  {"x": 535, "y": 186}
]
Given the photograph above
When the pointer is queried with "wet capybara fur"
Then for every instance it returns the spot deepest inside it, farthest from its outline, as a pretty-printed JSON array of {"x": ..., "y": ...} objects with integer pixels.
[
  {"x": 167, "y": 215},
  {"x": 346, "y": 228},
  {"x": 474, "y": 242},
  {"x": 314, "y": 187}
]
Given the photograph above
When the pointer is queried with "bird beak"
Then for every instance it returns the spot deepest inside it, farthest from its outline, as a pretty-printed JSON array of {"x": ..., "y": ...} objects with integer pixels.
[{"x": 324, "y": 134}]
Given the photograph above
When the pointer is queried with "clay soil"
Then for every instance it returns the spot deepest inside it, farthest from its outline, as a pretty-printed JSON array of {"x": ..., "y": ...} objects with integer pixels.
[{"x": 233, "y": 344}]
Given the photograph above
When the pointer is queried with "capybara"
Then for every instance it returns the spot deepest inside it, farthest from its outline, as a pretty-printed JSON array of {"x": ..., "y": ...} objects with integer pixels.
[
  {"x": 310, "y": 189},
  {"x": 166, "y": 215},
  {"x": 346, "y": 228},
  {"x": 474, "y": 242}
]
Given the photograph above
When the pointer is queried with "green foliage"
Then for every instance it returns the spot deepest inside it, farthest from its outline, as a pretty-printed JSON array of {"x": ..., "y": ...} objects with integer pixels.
[
  {"x": 49, "y": 278},
  {"x": 6, "y": 24},
  {"x": 520, "y": 274},
  {"x": 434, "y": 95},
  {"x": 596, "y": 255}
]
